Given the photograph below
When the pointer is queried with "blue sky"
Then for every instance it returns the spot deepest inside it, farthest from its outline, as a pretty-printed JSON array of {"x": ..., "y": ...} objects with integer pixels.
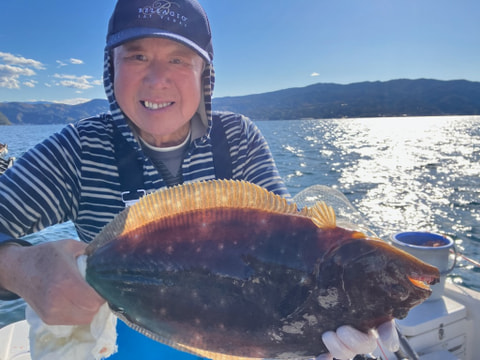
[{"x": 52, "y": 50}]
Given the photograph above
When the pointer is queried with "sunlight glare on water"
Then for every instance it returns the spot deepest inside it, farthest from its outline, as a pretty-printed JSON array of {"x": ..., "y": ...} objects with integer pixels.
[
  {"x": 404, "y": 173},
  {"x": 411, "y": 167}
]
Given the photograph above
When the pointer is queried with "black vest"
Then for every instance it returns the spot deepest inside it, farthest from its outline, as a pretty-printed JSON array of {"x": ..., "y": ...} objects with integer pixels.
[{"x": 130, "y": 169}]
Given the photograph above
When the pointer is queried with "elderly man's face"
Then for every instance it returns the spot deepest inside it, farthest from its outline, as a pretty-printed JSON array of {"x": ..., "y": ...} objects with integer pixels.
[{"x": 158, "y": 85}]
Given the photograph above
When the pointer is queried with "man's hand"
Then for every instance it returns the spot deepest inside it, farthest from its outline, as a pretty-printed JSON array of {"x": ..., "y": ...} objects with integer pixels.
[{"x": 47, "y": 277}]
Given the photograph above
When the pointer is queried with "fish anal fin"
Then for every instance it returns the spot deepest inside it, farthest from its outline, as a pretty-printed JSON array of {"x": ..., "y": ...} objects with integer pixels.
[{"x": 212, "y": 355}]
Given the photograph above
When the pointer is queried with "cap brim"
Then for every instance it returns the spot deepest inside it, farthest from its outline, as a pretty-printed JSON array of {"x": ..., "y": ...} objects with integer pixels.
[{"x": 126, "y": 35}]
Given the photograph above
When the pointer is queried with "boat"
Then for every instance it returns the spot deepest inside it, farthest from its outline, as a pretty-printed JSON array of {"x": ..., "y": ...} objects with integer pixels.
[
  {"x": 5, "y": 163},
  {"x": 445, "y": 327}
]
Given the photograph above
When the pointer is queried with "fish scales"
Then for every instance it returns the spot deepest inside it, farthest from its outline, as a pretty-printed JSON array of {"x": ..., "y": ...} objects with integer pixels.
[{"x": 247, "y": 279}]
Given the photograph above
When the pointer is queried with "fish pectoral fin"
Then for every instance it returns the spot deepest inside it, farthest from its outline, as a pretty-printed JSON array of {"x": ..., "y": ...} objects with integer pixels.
[{"x": 323, "y": 215}]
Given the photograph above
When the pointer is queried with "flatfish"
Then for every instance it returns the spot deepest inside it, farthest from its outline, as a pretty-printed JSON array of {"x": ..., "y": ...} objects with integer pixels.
[{"x": 227, "y": 270}]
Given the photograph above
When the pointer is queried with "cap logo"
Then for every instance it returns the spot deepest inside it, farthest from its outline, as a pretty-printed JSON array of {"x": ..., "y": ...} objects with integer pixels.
[{"x": 167, "y": 10}]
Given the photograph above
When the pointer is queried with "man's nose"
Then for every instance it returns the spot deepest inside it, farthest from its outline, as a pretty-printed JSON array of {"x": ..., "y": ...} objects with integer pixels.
[{"x": 158, "y": 74}]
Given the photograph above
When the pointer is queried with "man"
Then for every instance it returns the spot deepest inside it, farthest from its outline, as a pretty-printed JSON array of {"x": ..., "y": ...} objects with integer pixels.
[{"x": 161, "y": 132}]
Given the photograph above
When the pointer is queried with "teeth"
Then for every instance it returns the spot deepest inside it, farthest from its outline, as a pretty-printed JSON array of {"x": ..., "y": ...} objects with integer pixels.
[{"x": 154, "y": 106}]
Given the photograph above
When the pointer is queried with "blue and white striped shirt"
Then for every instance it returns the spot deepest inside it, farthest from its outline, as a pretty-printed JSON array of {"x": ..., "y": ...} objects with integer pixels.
[{"x": 73, "y": 175}]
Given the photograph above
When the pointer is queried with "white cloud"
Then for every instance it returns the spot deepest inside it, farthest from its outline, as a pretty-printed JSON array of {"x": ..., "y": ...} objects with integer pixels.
[
  {"x": 21, "y": 61},
  {"x": 77, "y": 82},
  {"x": 72, "y": 61},
  {"x": 6, "y": 70},
  {"x": 72, "y": 101},
  {"x": 13, "y": 67},
  {"x": 10, "y": 75},
  {"x": 314, "y": 74},
  {"x": 30, "y": 83},
  {"x": 76, "y": 61},
  {"x": 9, "y": 82}
]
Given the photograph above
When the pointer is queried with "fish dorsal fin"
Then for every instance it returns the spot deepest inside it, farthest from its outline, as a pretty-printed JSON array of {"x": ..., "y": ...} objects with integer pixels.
[
  {"x": 206, "y": 195},
  {"x": 323, "y": 215},
  {"x": 190, "y": 197}
]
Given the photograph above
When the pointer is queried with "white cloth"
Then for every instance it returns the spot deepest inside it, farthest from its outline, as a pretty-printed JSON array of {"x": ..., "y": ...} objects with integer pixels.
[{"x": 81, "y": 342}]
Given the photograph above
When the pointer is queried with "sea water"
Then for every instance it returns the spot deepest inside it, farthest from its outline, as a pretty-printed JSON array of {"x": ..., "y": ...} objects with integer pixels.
[{"x": 402, "y": 174}]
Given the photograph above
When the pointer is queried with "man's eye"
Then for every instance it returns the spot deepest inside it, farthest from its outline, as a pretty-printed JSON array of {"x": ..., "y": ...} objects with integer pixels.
[
  {"x": 177, "y": 61},
  {"x": 140, "y": 57},
  {"x": 137, "y": 57}
]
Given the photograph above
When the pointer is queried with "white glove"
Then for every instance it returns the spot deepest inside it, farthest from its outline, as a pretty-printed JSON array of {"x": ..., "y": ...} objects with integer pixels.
[{"x": 347, "y": 341}]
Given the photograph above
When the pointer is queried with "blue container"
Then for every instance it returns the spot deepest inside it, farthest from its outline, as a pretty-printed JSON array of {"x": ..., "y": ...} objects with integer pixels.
[{"x": 434, "y": 249}]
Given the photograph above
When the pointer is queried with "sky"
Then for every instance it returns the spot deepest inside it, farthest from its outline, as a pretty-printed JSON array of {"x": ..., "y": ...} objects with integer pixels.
[{"x": 52, "y": 50}]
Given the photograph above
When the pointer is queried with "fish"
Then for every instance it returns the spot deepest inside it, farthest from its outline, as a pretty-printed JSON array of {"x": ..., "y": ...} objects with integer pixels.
[{"x": 228, "y": 270}]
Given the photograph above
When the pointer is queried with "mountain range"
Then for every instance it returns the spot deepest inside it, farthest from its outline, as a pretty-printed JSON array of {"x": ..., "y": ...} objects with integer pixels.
[
  {"x": 18, "y": 113},
  {"x": 403, "y": 97}
]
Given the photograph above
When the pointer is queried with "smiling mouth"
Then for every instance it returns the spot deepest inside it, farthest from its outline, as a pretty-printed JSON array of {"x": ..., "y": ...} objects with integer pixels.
[{"x": 155, "y": 106}]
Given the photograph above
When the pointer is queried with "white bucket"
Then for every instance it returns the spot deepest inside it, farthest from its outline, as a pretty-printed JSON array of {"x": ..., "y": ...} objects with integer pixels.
[{"x": 434, "y": 249}]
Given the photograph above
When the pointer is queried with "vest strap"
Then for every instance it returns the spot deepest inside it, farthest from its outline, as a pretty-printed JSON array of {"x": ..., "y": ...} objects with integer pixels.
[
  {"x": 222, "y": 160},
  {"x": 130, "y": 170},
  {"x": 130, "y": 167}
]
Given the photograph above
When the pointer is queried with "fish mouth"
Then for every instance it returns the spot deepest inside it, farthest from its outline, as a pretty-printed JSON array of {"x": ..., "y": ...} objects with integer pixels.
[{"x": 423, "y": 281}]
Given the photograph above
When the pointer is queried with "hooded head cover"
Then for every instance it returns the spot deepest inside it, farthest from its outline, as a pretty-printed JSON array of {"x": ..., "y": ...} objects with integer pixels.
[{"x": 183, "y": 21}]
